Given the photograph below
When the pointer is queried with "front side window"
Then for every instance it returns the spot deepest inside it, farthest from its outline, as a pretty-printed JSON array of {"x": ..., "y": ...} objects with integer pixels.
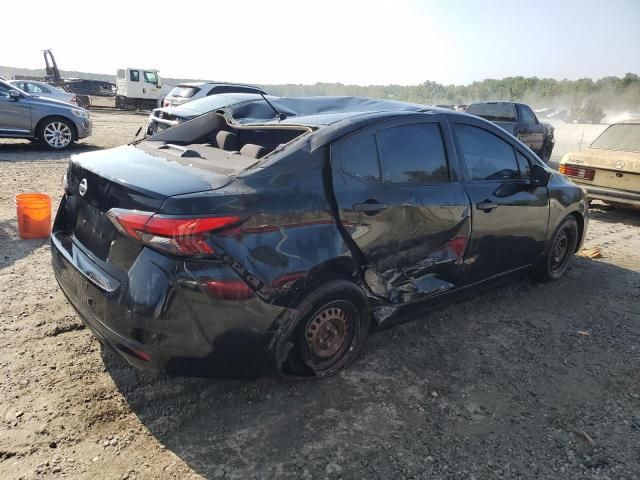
[
  {"x": 151, "y": 77},
  {"x": 134, "y": 75},
  {"x": 528, "y": 117},
  {"x": 487, "y": 156},
  {"x": 360, "y": 158},
  {"x": 413, "y": 154},
  {"x": 4, "y": 91}
]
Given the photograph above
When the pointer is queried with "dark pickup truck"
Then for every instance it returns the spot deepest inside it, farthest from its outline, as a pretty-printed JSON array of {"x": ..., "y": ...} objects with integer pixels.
[{"x": 520, "y": 121}]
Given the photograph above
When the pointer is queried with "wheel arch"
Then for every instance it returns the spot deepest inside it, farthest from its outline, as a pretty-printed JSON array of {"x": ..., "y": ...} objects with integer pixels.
[
  {"x": 341, "y": 268},
  {"x": 581, "y": 230},
  {"x": 43, "y": 120}
]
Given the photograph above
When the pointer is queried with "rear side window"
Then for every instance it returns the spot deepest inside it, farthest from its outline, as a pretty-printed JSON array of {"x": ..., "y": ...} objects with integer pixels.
[
  {"x": 487, "y": 156},
  {"x": 134, "y": 75},
  {"x": 360, "y": 158},
  {"x": 413, "y": 154}
]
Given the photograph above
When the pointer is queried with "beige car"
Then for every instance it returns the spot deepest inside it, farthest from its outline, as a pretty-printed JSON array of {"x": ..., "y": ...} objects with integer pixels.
[{"x": 610, "y": 168}]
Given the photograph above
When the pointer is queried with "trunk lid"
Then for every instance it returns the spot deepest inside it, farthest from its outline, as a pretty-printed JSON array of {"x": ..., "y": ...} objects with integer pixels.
[
  {"x": 612, "y": 168},
  {"x": 131, "y": 178},
  {"x": 608, "y": 159}
]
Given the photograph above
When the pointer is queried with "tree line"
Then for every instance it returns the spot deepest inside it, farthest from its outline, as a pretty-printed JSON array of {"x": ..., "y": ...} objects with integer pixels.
[
  {"x": 606, "y": 93},
  {"x": 615, "y": 93}
]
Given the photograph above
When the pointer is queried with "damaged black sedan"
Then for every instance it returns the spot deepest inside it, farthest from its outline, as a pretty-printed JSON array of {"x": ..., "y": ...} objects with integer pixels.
[{"x": 274, "y": 238}]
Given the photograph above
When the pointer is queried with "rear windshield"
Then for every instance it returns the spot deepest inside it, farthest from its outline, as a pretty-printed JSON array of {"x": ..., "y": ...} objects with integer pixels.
[
  {"x": 207, "y": 104},
  {"x": 622, "y": 136},
  {"x": 184, "y": 92},
  {"x": 496, "y": 112}
]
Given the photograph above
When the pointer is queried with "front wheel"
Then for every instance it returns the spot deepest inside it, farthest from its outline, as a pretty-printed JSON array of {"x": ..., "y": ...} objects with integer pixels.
[
  {"x": 56, "y": 134},
  {"x": 562, "y": 247},
  {"x": 332, "y": 333}
]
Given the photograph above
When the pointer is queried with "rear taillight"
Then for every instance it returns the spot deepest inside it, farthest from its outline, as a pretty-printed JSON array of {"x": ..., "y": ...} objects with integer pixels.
[
  {"x": 577, "y": 171},
  {"x": 171, "y": 234}
]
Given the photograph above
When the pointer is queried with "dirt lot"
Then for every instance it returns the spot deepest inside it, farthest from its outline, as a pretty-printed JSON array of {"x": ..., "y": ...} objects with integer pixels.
[{"x": 522, "y": 381}]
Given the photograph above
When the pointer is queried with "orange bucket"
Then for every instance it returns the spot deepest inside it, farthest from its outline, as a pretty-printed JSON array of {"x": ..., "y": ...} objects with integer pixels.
[{"x": 34, "y": 215}]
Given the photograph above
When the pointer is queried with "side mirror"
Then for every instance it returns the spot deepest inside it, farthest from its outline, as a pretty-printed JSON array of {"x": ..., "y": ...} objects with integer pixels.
[
  {"x": 539, "y": 176},
  {"x": 14, "y": 95}
]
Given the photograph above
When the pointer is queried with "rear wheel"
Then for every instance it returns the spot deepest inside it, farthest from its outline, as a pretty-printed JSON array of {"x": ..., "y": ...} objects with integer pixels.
[
  {"x": 563, "y": 246},
  {"x": 545, "y": 153},
  {"x": 56, "y": 133},
  {"x": 332, "y": 333}
]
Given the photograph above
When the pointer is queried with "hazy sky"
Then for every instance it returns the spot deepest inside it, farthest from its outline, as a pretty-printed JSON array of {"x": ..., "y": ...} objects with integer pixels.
[{"x": 361, "y": 42}]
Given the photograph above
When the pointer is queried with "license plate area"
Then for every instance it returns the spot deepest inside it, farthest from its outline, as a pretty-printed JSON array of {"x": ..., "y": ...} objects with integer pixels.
[
  {"x": 84, "y": 295},
  {"x": 94, "y": 230}
]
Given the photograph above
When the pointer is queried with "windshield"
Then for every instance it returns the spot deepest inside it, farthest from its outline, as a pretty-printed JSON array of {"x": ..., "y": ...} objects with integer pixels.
[
  {"x": 213, "y": 102},
  {"x": 623, "y": 136},
  {"x": 184, "y": 92},
  {"x": 496, "y": 112}
]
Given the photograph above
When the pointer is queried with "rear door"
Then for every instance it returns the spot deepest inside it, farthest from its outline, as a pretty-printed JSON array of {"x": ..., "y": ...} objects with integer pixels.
[
  {"x": 531, "y": 131},
  {"x": 403, "y": 207},
  {"x": 509, "y": 217}
]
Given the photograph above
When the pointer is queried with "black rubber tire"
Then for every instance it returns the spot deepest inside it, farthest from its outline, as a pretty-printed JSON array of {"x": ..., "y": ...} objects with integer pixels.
[
  {"x": 336, "y": 293},
  {"x": 41, "y": 135},
  {"x": 545, "y": 154},
  {"x": 559, "y": 251}
]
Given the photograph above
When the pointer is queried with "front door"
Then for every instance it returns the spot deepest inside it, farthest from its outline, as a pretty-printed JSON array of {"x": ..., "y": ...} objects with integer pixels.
[
  {"x": 509, "y": 217},
  {"x": 403, "y": 208},
  {"x": 15, "y": 115}
]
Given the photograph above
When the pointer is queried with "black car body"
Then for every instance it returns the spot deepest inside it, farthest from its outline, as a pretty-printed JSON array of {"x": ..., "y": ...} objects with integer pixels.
[
  {"x": 520, "y": 121},
  {"x": 166, "y": 117},
  {"x": 228, "y": 246}
]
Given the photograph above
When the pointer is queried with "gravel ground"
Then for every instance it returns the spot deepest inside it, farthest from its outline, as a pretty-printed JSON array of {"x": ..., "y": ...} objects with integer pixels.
[{"x": 520, "y": 381}]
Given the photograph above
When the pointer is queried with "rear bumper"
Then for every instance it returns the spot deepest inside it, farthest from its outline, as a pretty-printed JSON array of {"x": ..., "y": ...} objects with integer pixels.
[
  {"x": 612, "y": 195},
  {"x": 159, "y": 319}
]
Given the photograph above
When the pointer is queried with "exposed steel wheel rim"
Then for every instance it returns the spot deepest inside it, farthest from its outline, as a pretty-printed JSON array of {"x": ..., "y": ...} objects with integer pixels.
[
  {"x": 57, "y": 134},
  {"x": 327, "y": 333},
  {"x": 329, "y": 336},
  {"x": 560, "y": 250}
]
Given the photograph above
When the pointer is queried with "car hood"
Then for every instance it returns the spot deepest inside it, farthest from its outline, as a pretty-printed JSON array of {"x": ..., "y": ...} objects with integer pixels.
[{"x": 608, "y": 159}]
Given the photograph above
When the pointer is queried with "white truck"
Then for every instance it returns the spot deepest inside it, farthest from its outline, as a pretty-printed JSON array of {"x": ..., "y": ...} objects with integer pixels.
[{"x": 138, "y": 88}]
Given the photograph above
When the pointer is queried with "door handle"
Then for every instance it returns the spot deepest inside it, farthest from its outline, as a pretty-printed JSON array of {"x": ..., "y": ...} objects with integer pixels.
[
  {"x": 369, "y": 207},
  {"x": 486, "y": 206}
]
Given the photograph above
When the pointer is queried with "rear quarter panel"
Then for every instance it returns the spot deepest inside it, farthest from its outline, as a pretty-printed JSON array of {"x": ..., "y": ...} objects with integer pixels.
[{"x": 289, "y": 238}]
